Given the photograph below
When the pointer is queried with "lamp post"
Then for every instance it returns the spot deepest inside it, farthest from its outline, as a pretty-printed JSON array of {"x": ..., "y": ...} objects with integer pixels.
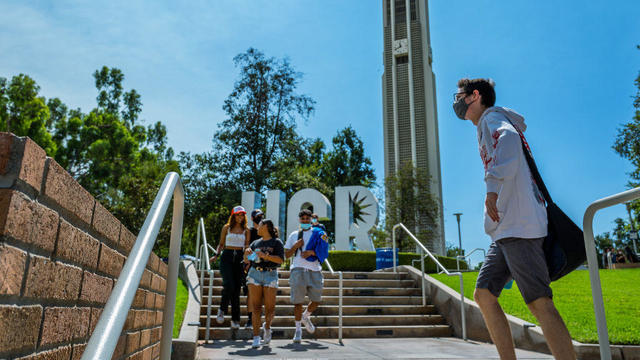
[{"x": 457, "y": 215}]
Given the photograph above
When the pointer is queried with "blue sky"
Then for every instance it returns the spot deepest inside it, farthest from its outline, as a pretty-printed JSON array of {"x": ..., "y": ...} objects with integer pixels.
[{"x": 567, "y": 66}]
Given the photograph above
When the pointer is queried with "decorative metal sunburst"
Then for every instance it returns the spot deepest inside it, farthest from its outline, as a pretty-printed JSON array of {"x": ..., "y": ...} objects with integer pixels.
[{"x": 358, "y": 206}]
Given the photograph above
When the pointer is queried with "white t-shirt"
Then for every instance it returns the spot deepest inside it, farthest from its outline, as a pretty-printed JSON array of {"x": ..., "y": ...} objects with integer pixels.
[{"x": 298, "y": 260}]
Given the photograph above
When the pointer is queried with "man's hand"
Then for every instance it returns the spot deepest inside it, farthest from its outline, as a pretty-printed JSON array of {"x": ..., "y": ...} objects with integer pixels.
[
  {"x": 298, "y": 244},
  {"x": 213, "y": 258},
  {"x": 307, "y": 253},
  {"x": 492, "y": 208}
]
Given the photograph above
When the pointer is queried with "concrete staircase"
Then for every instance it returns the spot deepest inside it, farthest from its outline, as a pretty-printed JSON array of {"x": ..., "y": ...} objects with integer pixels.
[{"x": 375, "y": 304}]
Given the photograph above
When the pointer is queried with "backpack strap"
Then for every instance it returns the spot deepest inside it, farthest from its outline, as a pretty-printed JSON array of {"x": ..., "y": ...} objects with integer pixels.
[{"x": 532, "y": 165}]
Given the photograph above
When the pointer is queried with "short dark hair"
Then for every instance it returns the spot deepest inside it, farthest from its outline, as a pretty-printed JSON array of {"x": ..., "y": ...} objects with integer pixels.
[
  {"x": 305, "y": 212},
  {"x": 314, "y": 215},
  {"x": 484, "y": 86}
]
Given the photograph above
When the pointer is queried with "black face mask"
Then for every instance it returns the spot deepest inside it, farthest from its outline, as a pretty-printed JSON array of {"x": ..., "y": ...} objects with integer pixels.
[{"x": 460, "y": 107}]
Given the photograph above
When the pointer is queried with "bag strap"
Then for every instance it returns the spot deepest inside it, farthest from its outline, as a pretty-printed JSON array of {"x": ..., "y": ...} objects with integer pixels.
[
  {"x": 532, "y": 166},
  {"x": 300, "y": 235}
]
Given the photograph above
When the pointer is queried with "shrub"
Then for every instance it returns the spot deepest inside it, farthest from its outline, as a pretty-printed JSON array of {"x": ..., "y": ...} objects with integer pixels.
[{"x": 366, "y": 261}]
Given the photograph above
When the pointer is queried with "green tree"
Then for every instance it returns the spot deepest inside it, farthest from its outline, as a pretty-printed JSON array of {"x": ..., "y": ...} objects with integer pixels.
[
  {"x": 262, "y": 113},
  {"x": 118, "y": 161},
  {"x": 627, "y": 145},
  {"x": 403, "y": 206},
  {"x": 346, "y": 163},
  {"x": 24, "y": 113}
]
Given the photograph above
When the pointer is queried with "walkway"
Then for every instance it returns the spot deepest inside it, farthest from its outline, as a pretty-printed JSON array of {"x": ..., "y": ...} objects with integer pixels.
[{"x": 389, "y": 348}]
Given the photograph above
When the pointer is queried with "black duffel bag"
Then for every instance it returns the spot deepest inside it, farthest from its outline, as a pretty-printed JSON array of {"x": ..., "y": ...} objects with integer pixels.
[{"x": 564, "y": 245}]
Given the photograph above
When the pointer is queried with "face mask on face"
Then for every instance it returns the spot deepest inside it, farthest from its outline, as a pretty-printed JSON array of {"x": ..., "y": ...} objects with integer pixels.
[
  {"x": 305, "y": 226},
  {"x": 460, "y": 107},
  {"x": 314, "y": 221}
]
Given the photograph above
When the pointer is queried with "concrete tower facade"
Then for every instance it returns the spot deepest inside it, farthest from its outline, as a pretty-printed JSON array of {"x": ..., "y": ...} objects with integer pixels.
[{"x": 410, "y": 121}]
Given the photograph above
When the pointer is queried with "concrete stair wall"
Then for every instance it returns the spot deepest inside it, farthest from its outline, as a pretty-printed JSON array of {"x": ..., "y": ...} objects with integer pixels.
[{"x": 375, "y": 304}]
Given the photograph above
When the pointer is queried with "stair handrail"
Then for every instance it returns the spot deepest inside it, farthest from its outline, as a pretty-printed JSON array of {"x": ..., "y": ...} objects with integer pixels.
[
  {"x": 339, "y": 298},
  {"x": 462, "y": 257},
  {"x": 592, "y": 263},
  {"x": 105, "y": 337},
  {"x": 435, "y": 260},
  {"x": 205, "y": 266}
]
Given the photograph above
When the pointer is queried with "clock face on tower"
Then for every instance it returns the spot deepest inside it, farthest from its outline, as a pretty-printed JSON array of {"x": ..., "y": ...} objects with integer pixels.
[{"x": 400, "y": 47}]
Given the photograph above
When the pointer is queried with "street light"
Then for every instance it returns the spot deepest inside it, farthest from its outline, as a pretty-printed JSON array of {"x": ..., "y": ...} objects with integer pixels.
[{"x": 457, "y": 215}]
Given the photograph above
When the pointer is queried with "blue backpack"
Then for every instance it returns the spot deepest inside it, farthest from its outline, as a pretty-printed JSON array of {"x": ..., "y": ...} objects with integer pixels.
[{"x": 319, "y": 243}]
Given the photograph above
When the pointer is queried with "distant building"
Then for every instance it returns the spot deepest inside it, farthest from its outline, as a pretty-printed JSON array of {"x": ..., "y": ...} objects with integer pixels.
[{"x": 410, "y": 120}]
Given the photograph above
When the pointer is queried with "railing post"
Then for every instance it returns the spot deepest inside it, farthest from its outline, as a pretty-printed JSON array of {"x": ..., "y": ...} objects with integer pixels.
[
  {"x": 393, "y": 254},
  {"x": 340, "y": 309},
  {"x": 198, "y": 242},
  {"x": 424, "y": 296},
  {"x": 464, "y": 321},
  {"x": 596, "y": 287},
  {"x": 172, "y": 277}
]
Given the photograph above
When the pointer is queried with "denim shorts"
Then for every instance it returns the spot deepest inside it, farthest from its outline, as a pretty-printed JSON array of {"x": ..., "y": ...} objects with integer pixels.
[{"x": 263, "y": 278}]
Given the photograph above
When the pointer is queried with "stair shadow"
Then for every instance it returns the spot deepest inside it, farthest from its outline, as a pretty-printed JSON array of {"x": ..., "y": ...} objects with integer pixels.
[
  {"x": 262, "y": 351},
  {"x": 304, "y": 346}
]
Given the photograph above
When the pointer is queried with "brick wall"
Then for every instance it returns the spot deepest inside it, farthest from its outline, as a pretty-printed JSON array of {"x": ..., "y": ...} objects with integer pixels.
[{"x": 61, "y": 252}]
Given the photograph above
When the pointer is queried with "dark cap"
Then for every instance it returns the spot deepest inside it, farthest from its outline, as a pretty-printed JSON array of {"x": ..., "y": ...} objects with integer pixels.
[{"x": 256, "y": 212}]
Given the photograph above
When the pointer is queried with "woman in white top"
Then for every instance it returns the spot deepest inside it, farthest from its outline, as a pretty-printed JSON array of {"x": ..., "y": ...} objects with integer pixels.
[{"x": 233, "y": 240}]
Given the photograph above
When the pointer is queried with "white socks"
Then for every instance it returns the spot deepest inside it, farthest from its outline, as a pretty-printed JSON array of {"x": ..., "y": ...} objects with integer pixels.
[
  {"x": 298, "y": 325},
  {"x": 306, "y": 314}
]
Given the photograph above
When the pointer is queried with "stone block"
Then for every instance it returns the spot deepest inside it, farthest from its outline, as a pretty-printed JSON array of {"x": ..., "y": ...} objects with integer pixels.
[
  {"x": 21, "y": 158},
  {"x": 77, "y": 246},
  {"x": 111, "y": 261},
  {"x": 133, "y": 342},
  {"x": 106, "y": 224},
  {"x": 127, "y": 239},
  {"x": 64, "y": 324},
  {"x": 63, "y": 189},
  {"x": 95, "y": 317},
  {"x": 19, "y": 326},
  {"x": 12, "y": 263},
  {"x": 61, "y": 353},
  {"x": 95, "y": 288},
  {"x": 50, "y": 280}
]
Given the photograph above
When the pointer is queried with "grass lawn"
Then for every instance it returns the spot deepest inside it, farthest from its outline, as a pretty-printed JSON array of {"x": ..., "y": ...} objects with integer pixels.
[
  {"x": 182, "y": 297},
  {"x": 572, "y": 297}
]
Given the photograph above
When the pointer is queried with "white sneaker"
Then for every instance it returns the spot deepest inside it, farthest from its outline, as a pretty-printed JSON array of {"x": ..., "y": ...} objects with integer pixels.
[
  {"x": 220, "y": 317},
  {"x": 266, "y": 334},
  {"x": 235, "y": 325},
  {"x": 297, "y": 337},
  {"x": 256, "y": 342},
  {"x": 306, "y": 321}
]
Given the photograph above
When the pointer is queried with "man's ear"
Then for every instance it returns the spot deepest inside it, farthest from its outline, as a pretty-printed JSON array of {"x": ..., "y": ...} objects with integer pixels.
[{"x": 476, "y": 94}]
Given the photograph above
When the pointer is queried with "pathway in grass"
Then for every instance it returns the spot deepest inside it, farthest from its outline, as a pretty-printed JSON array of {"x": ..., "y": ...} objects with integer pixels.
[
  {"x": 572, "y": 296},
  {"x": 182, "y": 297}
]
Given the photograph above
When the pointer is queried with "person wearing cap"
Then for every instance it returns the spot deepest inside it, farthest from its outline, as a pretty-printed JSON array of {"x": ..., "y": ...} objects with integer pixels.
[
  {"x": 256, "y": 216},
  {"x": 233, "y": 240}
]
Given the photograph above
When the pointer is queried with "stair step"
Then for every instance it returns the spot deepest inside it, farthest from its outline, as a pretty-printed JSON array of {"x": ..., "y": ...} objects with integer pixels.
[
  {"x": 384, "y": 283},
  {"x": 349, "y": 320},
  {"x": 357, "y": 291},
  {"x": 284, "y": 274},
  {"x": 331, "y": 332},
  {"x": 285, "y": 310},
  {"x": 346, "y": 300}
]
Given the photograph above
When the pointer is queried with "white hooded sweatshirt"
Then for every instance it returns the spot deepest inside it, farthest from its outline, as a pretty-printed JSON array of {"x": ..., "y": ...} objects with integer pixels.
[{"x": 521, "y": 206}]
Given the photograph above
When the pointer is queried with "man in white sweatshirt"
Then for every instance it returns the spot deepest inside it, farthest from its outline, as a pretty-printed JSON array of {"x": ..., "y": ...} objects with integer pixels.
[{"x": 516, "y": 219}]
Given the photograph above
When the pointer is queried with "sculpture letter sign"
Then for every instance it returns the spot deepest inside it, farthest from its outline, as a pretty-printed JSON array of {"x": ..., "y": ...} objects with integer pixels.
[{"x": 356, "y": 212}]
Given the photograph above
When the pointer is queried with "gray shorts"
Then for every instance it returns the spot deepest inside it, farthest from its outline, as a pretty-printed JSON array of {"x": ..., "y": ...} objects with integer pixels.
[
  {"x": 304, "y": 282},
  {"x": 519, "y": 259}
]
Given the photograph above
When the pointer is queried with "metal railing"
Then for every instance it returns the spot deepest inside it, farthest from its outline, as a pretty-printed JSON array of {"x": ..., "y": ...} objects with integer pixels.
[
  {"x": 202, "y": 254},
  {"x": 423, "y": 249},
  {"x": 463, "y": 257},
  {"x": 592, "y": 261},
  {"x": 339, "y": 298},
  {"x": 107, "y": 332}
]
